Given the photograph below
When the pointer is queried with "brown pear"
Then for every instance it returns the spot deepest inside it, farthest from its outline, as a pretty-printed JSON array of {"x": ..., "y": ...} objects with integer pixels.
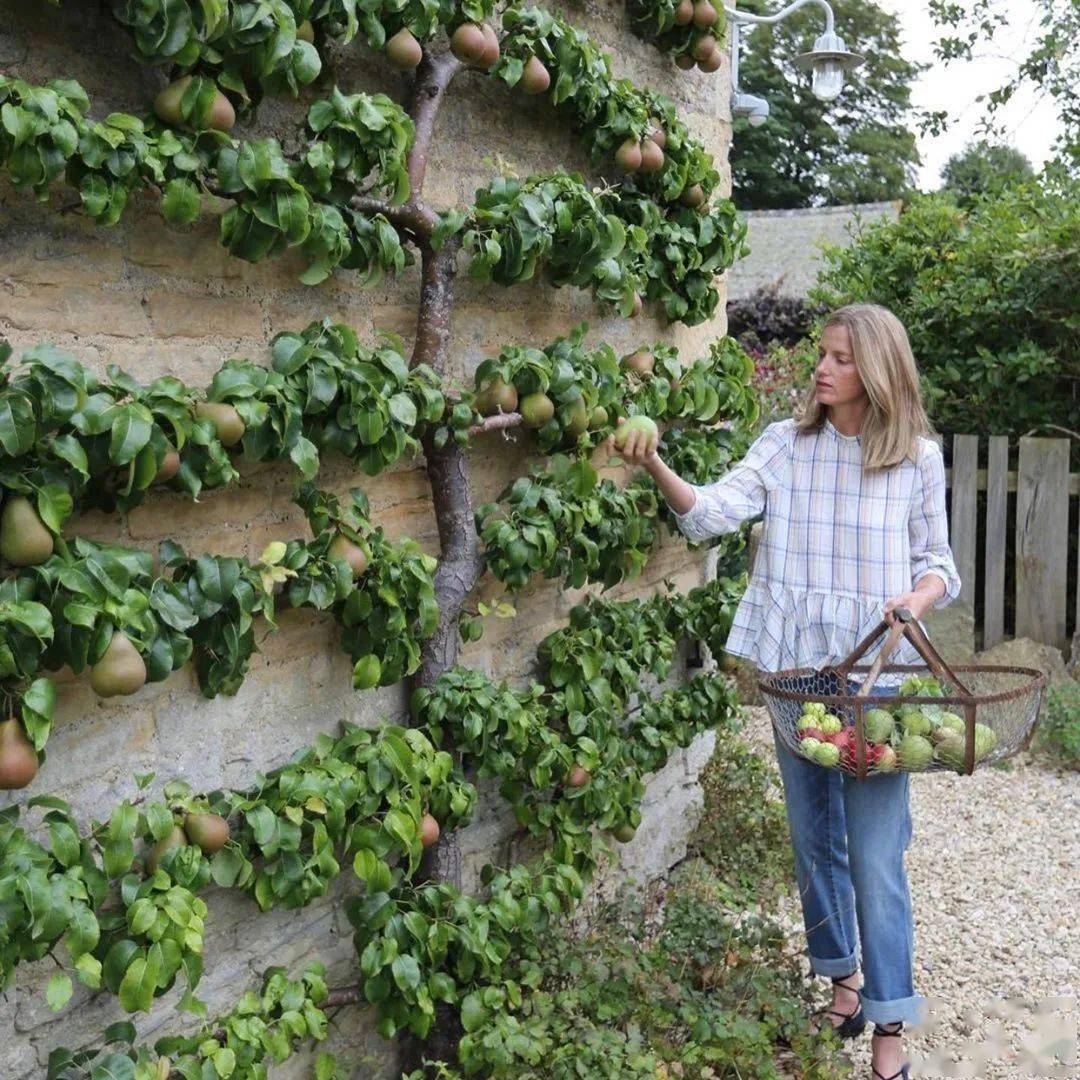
[
  {"x": 637, "y": 306},
  {"x": 176, "y": 838},
  {"x": 170, "y": 466},
  {"x": 652, "y": 157},
  {"x": 208, "y": 832},
  {"x": 684, "y": 13},
  {"x": 497, "y": 396},
  {"x": 18, "y": 762},
  {"x": 599, "y": 417},
  {"x": 628, "y": 156},
  {"x": 120, "y": 670},
  {"x": 624, "y": 833},
  {"x": 578, "y": 777},
  {"x": 658, "y": 134},
  {"x": 306, "y": 32},
  {"x": 704, "y": 14},
  {"x": 535, "y": 78},
  {"x": 222, "y": 116},
  {"x": 468, "y": 43},
  {"x": 692, "y": 196},
  {"x": 703, "y": 48},
  {"x": 341, "y": 547},
  {"x": 403, "y": 50},
  {"x": 226, "y": 421},
  {"x": 713, "y": 63},
  {"x": 491, "y": 53},
  {"x": 641, "y": 361},
  {"x": 24, "y": 540},
  {"x": 429, "y": 830},
  {"x": 167, "y": 103},
  {"x": 684, "y": 61}
]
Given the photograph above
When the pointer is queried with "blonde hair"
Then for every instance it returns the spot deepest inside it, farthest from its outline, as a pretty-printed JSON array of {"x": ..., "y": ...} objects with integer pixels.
[{"x": 895, "y": 417}]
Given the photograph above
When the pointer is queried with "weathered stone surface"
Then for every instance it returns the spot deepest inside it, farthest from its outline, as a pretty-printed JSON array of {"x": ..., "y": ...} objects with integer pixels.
[{"x": 1023, "y": 652}]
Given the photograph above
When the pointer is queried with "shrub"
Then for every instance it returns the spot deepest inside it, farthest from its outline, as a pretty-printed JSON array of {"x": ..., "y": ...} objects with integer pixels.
[
  {"x": 989, "y": 297},
  {"x": 1059, "y": 730},
  {"x": 765, "y": 318}
]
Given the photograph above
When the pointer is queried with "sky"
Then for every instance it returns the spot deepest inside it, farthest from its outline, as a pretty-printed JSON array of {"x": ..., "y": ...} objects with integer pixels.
[{"x": 1031, "y": 125}]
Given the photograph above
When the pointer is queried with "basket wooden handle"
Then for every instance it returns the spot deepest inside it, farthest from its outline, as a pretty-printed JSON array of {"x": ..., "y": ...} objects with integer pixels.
[
  {"x": 892, "y": 639},
  {"x": 845, "y": 667},
  {"x": 906, "y": 625}
]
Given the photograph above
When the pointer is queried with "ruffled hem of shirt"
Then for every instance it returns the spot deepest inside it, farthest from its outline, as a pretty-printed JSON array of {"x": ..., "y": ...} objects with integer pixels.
[{"x": 777, "y": 627}]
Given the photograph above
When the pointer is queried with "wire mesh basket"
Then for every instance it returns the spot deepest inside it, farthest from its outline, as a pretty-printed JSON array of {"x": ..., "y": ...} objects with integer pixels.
[{"x": 944, "y": 718}]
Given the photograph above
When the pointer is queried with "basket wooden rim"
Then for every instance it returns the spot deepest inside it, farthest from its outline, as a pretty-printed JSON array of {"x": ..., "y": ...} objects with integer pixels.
[{"x": 1037, "y": 682}]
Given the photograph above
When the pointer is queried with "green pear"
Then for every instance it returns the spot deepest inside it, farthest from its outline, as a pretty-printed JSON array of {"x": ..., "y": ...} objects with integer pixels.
[
  {"x": 226, "y": 421},
  {"x": 24, "y": 540},
  {"x": 176, "y": 838},
  {"x": 120, "y": 670}
]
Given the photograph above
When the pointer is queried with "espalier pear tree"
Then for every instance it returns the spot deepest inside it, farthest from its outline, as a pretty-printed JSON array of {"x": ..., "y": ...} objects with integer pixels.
[{"x": 571, "y": 748}]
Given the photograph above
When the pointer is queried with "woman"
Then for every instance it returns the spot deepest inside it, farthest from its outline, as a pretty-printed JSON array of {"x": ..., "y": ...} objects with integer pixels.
[{"x": 853, "y": 492}]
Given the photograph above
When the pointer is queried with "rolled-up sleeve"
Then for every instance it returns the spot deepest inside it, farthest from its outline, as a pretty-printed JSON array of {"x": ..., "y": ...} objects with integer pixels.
[
  {"x": 740, "y": 494},
  {"x": 928, "y": 527}
]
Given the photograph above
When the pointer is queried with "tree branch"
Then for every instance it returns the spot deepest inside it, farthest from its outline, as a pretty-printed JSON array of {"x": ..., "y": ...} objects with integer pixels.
[
  {"x": 498, "y": 422},
  {"x": 436, "y": 73},
  {"x": 415, "y": 215}
]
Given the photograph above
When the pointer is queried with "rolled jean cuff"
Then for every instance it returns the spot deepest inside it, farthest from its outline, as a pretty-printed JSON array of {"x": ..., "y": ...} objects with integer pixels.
[
  {"x": 909, "y": 1010},
  {"x": 834, "y": 969}
]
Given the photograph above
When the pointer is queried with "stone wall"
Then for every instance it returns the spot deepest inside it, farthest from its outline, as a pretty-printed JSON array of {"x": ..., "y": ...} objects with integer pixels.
[
  {"x": 160, "y": 302},
  {"x": 785, "y": 245}
]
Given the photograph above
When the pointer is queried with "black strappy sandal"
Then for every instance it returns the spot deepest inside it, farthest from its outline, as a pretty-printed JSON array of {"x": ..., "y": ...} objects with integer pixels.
[
  {"x": 852, "y": 1024},
  {"x": 904, "y": 1073}
]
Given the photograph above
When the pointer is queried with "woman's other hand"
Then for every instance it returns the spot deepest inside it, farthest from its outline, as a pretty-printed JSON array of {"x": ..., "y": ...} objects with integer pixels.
[
  {"x": 639, "y": 448},
  {"x": 918, "y": 601}
]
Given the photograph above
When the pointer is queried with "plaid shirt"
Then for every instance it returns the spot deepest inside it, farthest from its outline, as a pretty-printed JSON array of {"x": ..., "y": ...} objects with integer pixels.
[{"x": 836, "y": 544}]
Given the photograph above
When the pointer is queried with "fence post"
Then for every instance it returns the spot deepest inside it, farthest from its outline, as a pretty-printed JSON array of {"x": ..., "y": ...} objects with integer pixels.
[
  {"x": 1042, "y": 524},
  {"x": 997, "y": 507}
]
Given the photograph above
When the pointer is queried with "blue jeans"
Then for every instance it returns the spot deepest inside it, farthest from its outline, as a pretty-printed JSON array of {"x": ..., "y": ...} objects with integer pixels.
[{"x": 849, "y": 837}]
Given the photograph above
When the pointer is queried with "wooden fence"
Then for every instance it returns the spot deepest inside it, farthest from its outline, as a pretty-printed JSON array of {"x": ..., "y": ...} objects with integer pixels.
[{"x": 1036, "y": 499}]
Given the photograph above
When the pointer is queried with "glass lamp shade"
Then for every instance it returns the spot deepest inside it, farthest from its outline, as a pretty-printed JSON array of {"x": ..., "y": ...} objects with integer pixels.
[{"x": 828, "y": 79}]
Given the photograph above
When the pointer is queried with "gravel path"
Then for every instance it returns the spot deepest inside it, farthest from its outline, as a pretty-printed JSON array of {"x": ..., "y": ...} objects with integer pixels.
[{"x": 994, "y": 868}]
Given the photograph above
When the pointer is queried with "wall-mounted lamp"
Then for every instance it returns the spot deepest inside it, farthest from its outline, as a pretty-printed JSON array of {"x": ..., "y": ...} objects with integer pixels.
[{"x": 829, "y": 61}]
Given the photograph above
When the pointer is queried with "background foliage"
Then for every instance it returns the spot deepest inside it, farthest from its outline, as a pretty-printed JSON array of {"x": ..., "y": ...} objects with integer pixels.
[{"x": 859, "y": 148}]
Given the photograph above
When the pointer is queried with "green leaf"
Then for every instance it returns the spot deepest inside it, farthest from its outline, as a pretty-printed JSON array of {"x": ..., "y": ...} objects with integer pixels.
[
  {"x": 54, "y": 506},
  {"x": 406, "y": 972},
  {"x": 473, "y": 1013},
  {"x": 58, "y": 991},
  {"x": 140, "y": 980},
  {"x": 180, "y": 202},
  {"x": 130, "y": 433}
]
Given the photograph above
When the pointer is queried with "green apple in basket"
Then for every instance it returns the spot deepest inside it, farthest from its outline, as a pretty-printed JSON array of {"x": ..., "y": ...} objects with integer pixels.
[
  {"x": 830, "y": 724},
  {"x": 950, "y": 726},
  {"x": 814, "y": 708},
  {"x": 808, "y": 747},
  {"x": 878, "y": 725},
  {"x": 951, "y": 751},
  {"x": 827, "y": 754},
  {"x": 913, "y": 720},
  {"x": 914, "y": 753}
]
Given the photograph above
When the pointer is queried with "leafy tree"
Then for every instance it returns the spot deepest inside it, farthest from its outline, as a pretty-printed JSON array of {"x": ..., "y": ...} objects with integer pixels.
[
  {"x": 859, "y": 148},
  {"x": 1051, "y": 63},
  {"x": 988, "y": 295},
  {"x": 983, "y": 168}
]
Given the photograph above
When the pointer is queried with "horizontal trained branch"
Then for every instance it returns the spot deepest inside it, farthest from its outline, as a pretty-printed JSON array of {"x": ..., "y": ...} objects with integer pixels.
[{"x": 131, "y": 918}]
